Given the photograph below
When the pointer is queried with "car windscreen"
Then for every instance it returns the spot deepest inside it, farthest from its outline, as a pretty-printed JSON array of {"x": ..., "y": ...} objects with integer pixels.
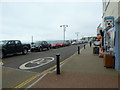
[{"x": 37, "y": 43}]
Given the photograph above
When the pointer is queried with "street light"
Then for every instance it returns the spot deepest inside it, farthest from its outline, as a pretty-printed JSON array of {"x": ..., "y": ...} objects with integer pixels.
[
  {"x": 32, "y": 40},
  {"x": 64, "y": 29},
  {"x": 77, "y": 33}
]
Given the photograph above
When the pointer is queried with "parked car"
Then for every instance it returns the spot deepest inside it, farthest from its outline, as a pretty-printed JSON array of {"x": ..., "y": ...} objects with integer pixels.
[
  {"x": 75, "y": 43},
  {"x": 68, "y": 43},
  {"x": 40, "y": 45},
  {"x": 55, "y": 45},
  {"x": 13, "y": 47},
  {"x": 63, "y": 44},
  {"x": 80, "y": 42}
]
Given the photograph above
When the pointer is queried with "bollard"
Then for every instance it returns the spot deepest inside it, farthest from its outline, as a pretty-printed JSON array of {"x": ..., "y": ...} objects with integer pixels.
[
  {"x": 58, "y": 64},
  {"x": 84, "y": 46},
  {"x": 78, "y": 49}
]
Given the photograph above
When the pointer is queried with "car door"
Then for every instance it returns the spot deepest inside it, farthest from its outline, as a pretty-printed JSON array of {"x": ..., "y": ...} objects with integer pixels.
[
  {"x": 10, "y": 47},
  {"x": 43, "y": 44},
  {"x": 46, "y": 44},
  {"x": 18, "y": 46}
]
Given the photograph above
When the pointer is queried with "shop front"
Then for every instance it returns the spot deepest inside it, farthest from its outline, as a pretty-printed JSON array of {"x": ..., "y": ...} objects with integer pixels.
[{"x": 109, "y": 42}]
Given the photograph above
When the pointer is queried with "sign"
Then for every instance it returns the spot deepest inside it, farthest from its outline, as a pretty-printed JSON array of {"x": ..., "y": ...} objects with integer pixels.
[{"x": 109, "y": 22}]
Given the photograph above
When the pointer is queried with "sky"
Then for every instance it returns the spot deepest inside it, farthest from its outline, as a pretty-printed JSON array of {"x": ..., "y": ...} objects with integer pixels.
[{"x": 42, "y": 20}]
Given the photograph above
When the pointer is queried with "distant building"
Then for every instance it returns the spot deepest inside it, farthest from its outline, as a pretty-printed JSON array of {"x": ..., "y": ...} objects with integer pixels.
[{"x": 111, "y": 27}]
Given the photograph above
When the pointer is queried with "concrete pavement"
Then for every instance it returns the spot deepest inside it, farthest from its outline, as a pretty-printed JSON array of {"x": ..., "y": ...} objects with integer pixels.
[{"x": 81, "y": 71}]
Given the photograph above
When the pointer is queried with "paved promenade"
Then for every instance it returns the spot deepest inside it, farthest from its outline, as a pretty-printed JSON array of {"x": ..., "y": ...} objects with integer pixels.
[{"x": 81, "y": 71}]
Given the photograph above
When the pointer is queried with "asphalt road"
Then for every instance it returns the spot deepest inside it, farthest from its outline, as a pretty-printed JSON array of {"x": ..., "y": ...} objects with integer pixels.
[{"x": 13, "y": 75}]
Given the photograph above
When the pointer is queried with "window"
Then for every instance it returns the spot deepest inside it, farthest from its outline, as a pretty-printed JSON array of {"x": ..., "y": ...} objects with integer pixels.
[
  {"x": 10, "y": 42},
  {"x": 17, "y": 42}
]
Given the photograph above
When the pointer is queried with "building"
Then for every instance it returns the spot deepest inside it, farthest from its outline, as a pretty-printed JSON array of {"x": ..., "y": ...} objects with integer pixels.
[{"x": 111, "y": 22}]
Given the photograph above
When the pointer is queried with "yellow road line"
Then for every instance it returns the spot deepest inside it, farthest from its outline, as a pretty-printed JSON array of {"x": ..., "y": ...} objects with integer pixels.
[
  {"x": 1, "y": 63},
  {"x": 34, "y": 77},
  {"x": 39, "y": 74}
]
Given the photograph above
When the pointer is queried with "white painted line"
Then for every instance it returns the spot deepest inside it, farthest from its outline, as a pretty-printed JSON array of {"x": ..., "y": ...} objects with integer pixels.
[
  {"x": 36, "y": 81},
  {"x": 18, "y": 69},
  {"x": 37, "y": 63}
]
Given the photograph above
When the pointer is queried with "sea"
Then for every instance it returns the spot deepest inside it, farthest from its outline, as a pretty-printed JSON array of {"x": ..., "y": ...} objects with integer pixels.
[{"x": 49, "y": 41}]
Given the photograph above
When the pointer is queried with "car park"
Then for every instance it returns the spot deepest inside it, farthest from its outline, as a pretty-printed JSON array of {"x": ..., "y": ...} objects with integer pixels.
[{"x": 40, "y": 45}]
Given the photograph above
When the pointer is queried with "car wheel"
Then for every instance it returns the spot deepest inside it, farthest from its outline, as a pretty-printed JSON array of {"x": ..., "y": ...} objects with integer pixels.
[
  {"x": 48, "y": 48},
  {"x": 32, "y": 50},
  {"x": 25, "y": 51}
]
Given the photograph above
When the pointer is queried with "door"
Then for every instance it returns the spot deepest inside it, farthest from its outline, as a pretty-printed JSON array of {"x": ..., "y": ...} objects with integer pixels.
[
  {"x": 18, "y": 46},
  {"x": 46, "y": 44},
  {"x": 43, "y": 44},
  {"x": 10, "y": 47}
]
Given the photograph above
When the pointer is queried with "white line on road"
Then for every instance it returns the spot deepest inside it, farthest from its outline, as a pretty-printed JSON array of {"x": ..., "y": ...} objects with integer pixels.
[{"x": 36, "y": 63}]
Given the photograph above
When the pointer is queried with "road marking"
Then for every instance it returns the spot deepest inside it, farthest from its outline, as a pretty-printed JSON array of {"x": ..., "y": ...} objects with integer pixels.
[
  {"x": 37, "y": 80},
  {"x": 39, "y": 74},
  {"x": 34, "y": 77},
  {"x": 42, "y": 73},
  {"x": 18, "y": 69},
  {"x": 36, "y": 63}
]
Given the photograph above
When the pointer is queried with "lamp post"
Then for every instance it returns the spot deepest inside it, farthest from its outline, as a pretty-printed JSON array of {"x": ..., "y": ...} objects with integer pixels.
[
  {"x": 64, "y": 29},
  {"x": 32, "y": 40},
  {"x": 77, "y": 33}
]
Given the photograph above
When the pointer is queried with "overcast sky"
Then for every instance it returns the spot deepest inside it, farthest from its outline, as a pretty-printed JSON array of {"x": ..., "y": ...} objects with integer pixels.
[{"x": 42, "y": 20}]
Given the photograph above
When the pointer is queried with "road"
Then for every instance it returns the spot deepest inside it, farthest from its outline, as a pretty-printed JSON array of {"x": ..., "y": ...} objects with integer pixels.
[{"x": 18, "y": 68}]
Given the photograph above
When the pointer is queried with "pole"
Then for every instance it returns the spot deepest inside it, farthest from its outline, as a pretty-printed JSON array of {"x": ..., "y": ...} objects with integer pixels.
[
  {"x": 58, "y": 64},
  {"x": 32, "y": 40},
  {"x": 77, "y": 35},
  {"x": 64, "y": 29},
  {"x": 64, "y": 33},
  {"x": 84, "y": 46},
  {"x": 78, "y": 49}
]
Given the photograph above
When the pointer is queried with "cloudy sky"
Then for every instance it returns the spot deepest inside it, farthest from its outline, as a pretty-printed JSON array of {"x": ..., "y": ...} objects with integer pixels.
[{"x": 42, "y": 20}]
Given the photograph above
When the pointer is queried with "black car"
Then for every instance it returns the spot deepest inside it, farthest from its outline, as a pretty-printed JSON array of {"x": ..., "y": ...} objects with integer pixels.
[
  {"x": 13, "y": 47},
  {"x": 40, "y": 45}
]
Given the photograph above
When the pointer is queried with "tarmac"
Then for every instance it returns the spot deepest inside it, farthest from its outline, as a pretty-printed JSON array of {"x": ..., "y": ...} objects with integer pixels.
[{"x": 84, "y": 70}]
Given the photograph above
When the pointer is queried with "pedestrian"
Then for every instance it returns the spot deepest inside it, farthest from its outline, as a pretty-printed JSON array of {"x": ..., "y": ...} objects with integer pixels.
[
  {"x": 90, "y": 43},
  {"x": 84, "y": 46}
]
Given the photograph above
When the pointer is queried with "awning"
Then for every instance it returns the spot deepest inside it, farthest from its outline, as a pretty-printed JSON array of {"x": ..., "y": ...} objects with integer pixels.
[{"x": 98, "y": 37}]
